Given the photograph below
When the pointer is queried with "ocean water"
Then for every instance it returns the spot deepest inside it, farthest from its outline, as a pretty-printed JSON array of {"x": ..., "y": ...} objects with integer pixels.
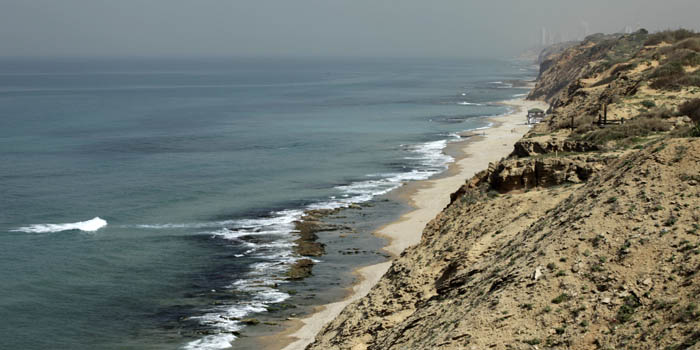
[{"x": 149, "y": 203}]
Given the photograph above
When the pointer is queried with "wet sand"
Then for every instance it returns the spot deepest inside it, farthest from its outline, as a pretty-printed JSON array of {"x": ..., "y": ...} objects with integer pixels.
[{"x": 427, "y": 198}]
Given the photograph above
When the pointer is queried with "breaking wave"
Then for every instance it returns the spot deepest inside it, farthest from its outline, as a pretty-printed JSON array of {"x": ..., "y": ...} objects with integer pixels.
[{"x": 91, "y": 225}]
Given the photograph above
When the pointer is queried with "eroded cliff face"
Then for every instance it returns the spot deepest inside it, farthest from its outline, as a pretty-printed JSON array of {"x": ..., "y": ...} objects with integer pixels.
[
  {"x": 611, "y": 263},
  {"x": 584, "y": 238}
]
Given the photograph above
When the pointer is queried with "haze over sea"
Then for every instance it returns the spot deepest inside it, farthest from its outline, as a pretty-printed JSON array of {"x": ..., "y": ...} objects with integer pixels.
[{"x": 145, "y": 199}]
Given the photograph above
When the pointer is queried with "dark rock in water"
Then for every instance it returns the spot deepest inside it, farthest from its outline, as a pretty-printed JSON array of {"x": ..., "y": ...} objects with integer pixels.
[
  {"x": 300, "y": 269},
  {"x": 306, "y": 248},
  {"x": 307, "y": 227},
  {"x": 251, "y": 321}
]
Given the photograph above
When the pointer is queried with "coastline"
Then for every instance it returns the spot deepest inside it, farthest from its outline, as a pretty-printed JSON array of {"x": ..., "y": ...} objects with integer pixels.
[{"x": 427, "y": 199}]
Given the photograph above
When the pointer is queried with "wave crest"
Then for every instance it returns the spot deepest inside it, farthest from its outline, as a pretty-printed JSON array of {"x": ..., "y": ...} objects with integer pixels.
[{"x": 91, "y": 225}]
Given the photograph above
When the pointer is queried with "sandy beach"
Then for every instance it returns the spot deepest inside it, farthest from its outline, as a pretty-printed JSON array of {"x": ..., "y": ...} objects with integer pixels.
[{"x": 427, "y": 198}]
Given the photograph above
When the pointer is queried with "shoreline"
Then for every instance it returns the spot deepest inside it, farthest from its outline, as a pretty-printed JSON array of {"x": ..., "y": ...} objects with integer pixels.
[{"x": 427, "y": 198}]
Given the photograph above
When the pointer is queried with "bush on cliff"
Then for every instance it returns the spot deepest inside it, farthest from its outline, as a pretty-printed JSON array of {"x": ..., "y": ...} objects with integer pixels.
[
  {"x": 638, "y": 127},
  {"x": 669, "y": 69},
  {"x": 692, "y": 110},
  {"x": 692, "y": 44},
  {"x": 669, "y": 36},
  {"x": 685, "y": 57},
  {"x": 672, "y": 76},
  {"x": 658, "y": 113}
]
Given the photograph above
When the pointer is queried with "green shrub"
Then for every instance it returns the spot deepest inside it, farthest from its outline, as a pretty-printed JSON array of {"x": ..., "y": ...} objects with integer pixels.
[
  {"x": 627, "y": 309},
  {"x": 687, "y": 58},
  {"x": 669, "y": 36},
  {"x": 533, "y": 341},
  {"x": 561, "y": 298},
  {"x": 648, "y": 103},
  {"x": 677, "y": 81},
  {"x": 692, "y": 79},
  {"x": 673, "y": 68},
  {"x": 691, "y": 109}
]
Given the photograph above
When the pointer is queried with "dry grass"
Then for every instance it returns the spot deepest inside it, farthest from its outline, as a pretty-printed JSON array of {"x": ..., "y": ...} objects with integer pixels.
[
  {"x": 638, "y": 127},
  {"x": 692, "y": 44},
  {"x": 685, "y": 53},
  {"x": 669, "y": 36},
  {"x": 585, "y": 124}
]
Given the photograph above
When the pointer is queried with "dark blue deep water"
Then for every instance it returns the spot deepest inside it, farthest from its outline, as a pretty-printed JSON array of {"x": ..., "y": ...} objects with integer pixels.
[{"x": 133, "y": 192}]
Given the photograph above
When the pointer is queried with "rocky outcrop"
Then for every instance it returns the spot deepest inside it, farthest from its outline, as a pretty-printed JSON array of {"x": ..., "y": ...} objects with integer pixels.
[
  {"x": 528, "y": 173},
  {"x": 557, "y": 72},
  {"x": 311, "y": 223},
  {"x": 612, "y": 263},
  {"x": 609, "y": 260},
  {"x": 300, "y": 269},
  {"x": 549, "y": 145},
  {"x": 523, "y": 174}
]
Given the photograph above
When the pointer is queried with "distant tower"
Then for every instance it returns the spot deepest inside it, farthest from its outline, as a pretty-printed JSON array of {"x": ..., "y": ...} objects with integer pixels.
[{"x": 544, "y": 36}]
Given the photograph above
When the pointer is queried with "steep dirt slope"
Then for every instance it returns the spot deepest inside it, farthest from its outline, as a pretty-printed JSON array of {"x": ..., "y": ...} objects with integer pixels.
[
  {"x": 586, "y": 237},
  {"x": 608, "y": 264}
]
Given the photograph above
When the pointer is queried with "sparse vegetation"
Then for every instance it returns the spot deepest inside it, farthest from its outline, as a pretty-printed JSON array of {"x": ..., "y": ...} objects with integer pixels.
[
  {"x": 628, "y": 308},
  {"x": 669, "y": 36},
  {"x": 561, "y": 298},
  {"x": 608, "y": 263},
  {"x": 533, "y": 341},
  {"x": 640, "y": 126},
  {"x": 648, "y": 103},
  {"x": 691, "y": 109},
  {"x": 689, "y": 313}
]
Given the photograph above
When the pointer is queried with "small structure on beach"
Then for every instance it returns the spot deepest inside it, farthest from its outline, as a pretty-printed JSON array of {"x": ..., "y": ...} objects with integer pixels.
[{"x": 534, "y": 116}]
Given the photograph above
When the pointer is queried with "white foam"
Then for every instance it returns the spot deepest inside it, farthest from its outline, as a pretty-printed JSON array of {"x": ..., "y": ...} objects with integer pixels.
[
  {"x": 210, "y": 342},
  {"x": 502, "y": 85},
  {"x": 91, "y": 225},
  {"x": 465, "y": 103},
  {"x": 275, "y": 254},
  {"x": 488, "y": 126},
  {"x": 428, "y": 159},
  {"x": 212, "y": 224}
]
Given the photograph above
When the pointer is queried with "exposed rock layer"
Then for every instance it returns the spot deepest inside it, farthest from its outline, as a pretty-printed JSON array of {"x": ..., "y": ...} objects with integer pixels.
[
  {"x": 566, "y": 244},
  {"x": 614, "y": 255}
]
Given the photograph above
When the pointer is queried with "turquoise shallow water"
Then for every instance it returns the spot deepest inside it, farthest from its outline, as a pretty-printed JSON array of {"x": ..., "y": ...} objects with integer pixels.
[{"x": 145, "y": 199}]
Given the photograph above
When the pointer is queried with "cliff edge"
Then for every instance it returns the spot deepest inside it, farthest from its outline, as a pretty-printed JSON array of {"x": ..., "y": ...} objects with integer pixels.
[{"x": 586, "y": 237}]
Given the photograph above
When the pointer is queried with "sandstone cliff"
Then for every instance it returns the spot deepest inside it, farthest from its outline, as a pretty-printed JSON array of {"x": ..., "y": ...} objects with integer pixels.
[{"x": 586, "y": 237}]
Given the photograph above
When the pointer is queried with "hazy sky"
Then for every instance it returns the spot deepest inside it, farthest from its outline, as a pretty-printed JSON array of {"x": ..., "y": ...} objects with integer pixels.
[{"x": 316, "y": 27}]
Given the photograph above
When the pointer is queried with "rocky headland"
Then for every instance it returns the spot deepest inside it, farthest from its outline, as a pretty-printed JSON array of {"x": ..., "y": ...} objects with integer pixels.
[{"x": 586, "y": 237}]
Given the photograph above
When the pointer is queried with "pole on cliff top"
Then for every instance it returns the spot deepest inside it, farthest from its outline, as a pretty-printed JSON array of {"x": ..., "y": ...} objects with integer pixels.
[
  {"x": 605, "y": 113},
  {"x": 572, "y": 122}
]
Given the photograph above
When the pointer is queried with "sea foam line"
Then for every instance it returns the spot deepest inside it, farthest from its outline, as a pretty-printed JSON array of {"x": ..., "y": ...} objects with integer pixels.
[
  {"x": 428, "y": 158},
  {"x": 91, "y": 225},
  {"x": 275, "y": 256}
]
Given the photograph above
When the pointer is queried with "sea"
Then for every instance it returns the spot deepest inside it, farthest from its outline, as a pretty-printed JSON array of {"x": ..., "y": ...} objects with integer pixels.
[{"x": 149, "y": 203}]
